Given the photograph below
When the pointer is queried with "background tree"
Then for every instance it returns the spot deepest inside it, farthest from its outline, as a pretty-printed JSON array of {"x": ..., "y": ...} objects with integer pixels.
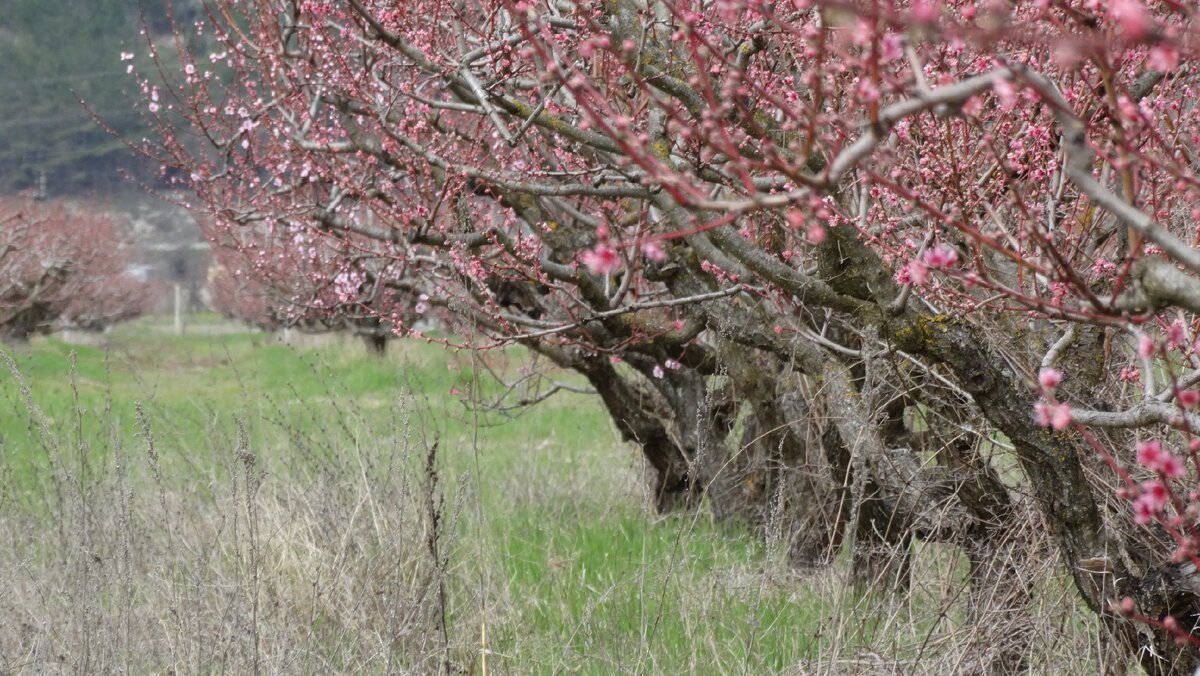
[
  {"x": 240, "y": 298},
  {"x": 891, "y": 243},
  {"x": 309, "y": 289},
  {"x": 64, "y": 269}
]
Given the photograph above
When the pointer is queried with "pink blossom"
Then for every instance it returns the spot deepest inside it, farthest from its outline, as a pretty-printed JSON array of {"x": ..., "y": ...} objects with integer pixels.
[
  {"x": 862, "y": 31},
  {"x": 1150, "y": 453},
  {"x": 941, "y": 256},
  {"x": 1132, "y": 16},
  {"x": 1176, "y": 334},
  {"x": 1145, "y": 346},
  {"x": 602, "y": 260},
  {"x": 1057, "y": 416},
  {"x": 658, "y": 371},
  {"x": 1006, "y": 93},
  {"x": 816, "y": 233},
  {"x": 892, "y": 47},
  {"x": 1142, "y": 512},
  {"x": 1049, "y": 378},
  {"x": 1172, "y": 466},
  {"x": 1151, "y": 502},
  {"x": 915, "y": 272},
  {"x": 1163, "y": 58},
  {"x": 1129, "y": 108},
  {"x": 924, "y": 11},
  {"x": 654, "y": 251},
  {"x": 1060, "y": 419},
  {"x": 1188, "y": 398},
  {"x": 867, "y": 91},
  {"x": 672, "y": 364}
]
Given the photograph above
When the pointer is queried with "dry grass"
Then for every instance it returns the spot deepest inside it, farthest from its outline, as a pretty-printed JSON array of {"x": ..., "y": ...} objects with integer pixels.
[
  {"x": 308, "y": 534},
  {"x": 255, "y": 565}
]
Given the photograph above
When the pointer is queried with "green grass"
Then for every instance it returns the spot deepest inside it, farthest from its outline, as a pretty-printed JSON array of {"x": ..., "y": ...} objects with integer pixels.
[
  {"x": 314, "y": 534},
  {"x": 617, "y": 596}
]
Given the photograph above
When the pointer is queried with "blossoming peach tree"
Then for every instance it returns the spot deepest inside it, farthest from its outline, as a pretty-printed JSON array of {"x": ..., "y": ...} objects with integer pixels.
[
  {"x": 284, "y": 296},
  {"x": 64, "y": 268},
  {"x": 825, "y": 263}
]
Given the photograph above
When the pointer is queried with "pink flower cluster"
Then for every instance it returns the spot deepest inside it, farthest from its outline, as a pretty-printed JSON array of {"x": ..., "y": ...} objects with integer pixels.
[
  {"x": 655, "y": 252},
  {"x": 670, "y": 363},
  {"x": 1056, "y": 415},
  {"x": 1153, "y": 494},
  {"x": 1151, "y": 502},
  {"x": 602, "y": 259},
  {"x": 1188, "y": 398},
  {"x": 1133, "y": 18},
  {"x": 940, "y": 257},
  {"x": 1051, "y": 413},
  {"x": 1049, "y": 378},
  {"x": 1152, "y": 455},
  {"x": 1145, "y": 346},
  {"x": 916, "y": 271}
]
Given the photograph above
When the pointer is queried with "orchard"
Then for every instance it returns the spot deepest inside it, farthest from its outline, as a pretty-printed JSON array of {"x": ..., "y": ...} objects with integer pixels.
[{"x": 826, "y": 264}]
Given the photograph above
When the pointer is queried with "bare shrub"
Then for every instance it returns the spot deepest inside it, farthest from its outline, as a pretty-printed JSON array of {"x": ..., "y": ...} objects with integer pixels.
[{"x": 304, "y": 551}]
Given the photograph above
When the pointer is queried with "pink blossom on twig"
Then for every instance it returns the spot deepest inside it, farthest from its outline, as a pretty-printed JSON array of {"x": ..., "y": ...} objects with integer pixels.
[
  {"x": 602, "y": 260},
  {"x": 1057, "y": 416},
  {"x": 1049, "y": 378}
]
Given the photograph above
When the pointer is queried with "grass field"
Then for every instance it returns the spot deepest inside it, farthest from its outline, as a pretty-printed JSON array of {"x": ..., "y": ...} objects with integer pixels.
[{"x": 225, "y": 503}]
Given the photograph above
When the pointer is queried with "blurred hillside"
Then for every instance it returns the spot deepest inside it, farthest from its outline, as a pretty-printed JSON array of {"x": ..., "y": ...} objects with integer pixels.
[{"x": 52, "y": 56}]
